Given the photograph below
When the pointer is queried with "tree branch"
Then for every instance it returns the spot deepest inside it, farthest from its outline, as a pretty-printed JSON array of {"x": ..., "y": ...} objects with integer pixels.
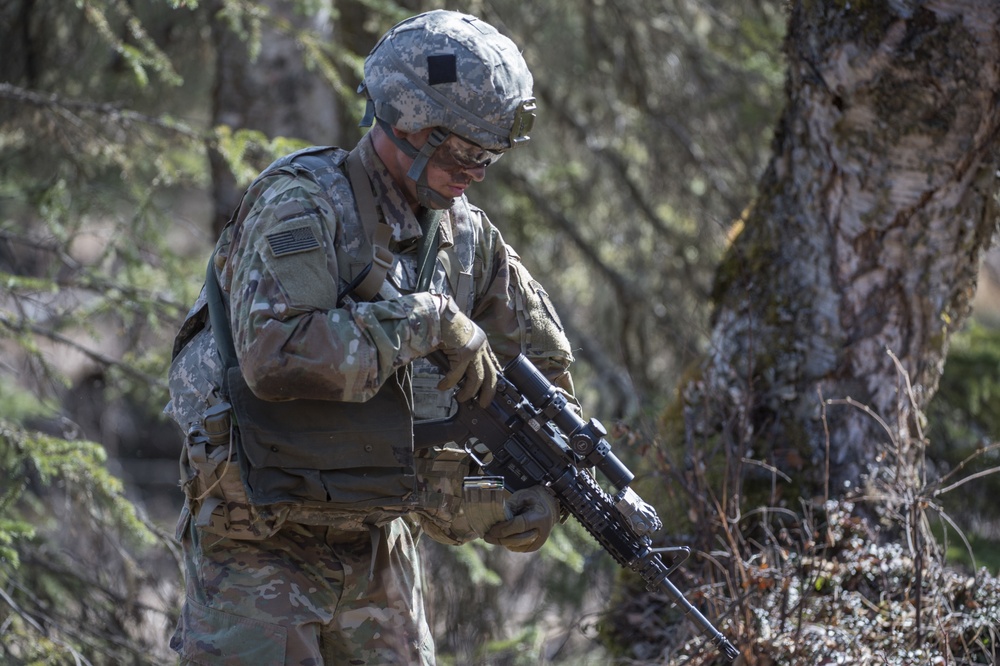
[{"x": 112, "y": 112}]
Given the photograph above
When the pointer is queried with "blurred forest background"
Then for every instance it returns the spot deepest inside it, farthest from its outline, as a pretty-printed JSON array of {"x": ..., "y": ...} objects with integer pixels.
[{"x": 129, "y": 127}]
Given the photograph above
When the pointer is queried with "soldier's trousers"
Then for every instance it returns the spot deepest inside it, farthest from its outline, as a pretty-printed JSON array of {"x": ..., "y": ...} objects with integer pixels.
[{"x": 307, "y": 596}]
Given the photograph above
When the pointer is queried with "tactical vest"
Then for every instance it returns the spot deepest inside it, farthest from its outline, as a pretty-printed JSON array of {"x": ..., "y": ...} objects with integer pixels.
[{"x": 316, "y": 460}]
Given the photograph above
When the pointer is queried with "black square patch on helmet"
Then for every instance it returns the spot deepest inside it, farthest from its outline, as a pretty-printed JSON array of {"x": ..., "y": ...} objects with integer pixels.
[{"x": 441, "y": 68}]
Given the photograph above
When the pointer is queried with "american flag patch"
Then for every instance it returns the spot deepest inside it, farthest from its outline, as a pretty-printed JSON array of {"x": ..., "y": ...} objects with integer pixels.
[{"x": 292, "y": 241}]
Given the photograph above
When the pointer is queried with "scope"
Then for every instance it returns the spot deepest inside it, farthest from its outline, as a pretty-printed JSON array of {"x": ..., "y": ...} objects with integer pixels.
[{"x": 586, "y": 438}]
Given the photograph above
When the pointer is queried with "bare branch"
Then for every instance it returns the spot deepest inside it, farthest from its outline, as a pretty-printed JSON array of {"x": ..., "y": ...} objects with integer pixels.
[{"x": 102, "y": 359}]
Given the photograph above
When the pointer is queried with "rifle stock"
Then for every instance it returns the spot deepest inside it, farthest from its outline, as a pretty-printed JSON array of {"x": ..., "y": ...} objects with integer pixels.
[{"x": 529, "y": 436}]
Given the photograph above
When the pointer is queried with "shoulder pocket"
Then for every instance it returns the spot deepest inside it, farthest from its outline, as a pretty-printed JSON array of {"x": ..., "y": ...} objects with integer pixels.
[
  {"x": 542, "y": 334},
  {"x": 294, "y": 255}
]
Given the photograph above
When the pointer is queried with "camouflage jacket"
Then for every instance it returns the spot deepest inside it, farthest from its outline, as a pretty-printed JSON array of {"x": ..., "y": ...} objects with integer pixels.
[{"x": 294, "y": 342}]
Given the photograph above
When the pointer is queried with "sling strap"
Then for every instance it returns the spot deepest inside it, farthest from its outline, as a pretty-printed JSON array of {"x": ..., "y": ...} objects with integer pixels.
[
  {"x": 430, "y": 224},
  {"x": 377, "y": 233},
  {"x": 217, "y": 315}
]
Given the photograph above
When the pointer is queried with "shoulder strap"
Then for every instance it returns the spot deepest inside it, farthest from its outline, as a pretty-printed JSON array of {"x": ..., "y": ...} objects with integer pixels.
[
  {"x": 217, "y": 315},
  {"x": 367, "y": 283}
]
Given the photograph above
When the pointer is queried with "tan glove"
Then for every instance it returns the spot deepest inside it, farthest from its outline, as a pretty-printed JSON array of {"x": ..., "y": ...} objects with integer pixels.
[
  {"x": 531, "y": 514},
  {"x": 469, "y": 357}
]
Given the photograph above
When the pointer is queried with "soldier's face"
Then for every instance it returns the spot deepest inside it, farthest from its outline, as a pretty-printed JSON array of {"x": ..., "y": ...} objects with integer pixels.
[{"x": 453, "y": 166}]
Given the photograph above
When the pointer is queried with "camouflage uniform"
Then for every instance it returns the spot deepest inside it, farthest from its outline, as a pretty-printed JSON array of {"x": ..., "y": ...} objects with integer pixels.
[
  {"x": 303, "y": 596},
  {"x": 307, "y": 585}
]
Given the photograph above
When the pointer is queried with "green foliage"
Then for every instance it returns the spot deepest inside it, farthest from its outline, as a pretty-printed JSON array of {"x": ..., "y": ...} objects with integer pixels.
[
  {"x": 963, "y": 431},
  {"x": 520, "y": 650},
  {"x": 489, "y": 606},
  {"x": 246, "y": 19},
  {"x": 11, "y": 532},
  {"x": 236, "y": 146},
  {"x": 968, "y": 549},
  {"x": 470, "y": 557},
  {"x": 139, "y": 52},
  {"x": 93, "y": 285},
  {"x": 250, "y": 20},
  {"x": 653, "y": 124},
  {"x": 77, "y": 466},
  {"x": 970, "y": 387},
  {"x": 69, "y": 539}
]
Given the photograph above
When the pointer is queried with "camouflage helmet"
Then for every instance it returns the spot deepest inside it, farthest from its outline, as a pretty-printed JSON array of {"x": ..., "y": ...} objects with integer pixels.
[{"x": 453, "y": 71}]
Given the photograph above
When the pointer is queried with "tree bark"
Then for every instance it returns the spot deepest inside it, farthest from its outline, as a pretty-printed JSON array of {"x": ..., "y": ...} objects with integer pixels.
[{"x": 864, "y": 242}]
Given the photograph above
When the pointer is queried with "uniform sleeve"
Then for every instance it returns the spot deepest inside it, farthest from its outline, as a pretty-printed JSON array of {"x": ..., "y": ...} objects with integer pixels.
[
  {"x": 517, "y": 313},
  {"x": 291, "y": 339}
]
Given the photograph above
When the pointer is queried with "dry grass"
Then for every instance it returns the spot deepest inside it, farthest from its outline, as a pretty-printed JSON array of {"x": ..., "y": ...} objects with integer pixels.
[{"x": 857, "y": 579}]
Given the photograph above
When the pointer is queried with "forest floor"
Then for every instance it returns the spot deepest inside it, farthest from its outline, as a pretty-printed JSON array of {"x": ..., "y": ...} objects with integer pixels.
[{"x": 853, "y": 598}]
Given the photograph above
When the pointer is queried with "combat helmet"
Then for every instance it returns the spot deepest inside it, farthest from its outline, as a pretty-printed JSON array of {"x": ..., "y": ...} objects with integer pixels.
[{"x": 455, "y": 73}]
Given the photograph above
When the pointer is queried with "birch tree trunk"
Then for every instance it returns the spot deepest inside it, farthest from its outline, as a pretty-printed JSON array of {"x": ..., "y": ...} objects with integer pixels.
[{"x": 864, "y": 243}]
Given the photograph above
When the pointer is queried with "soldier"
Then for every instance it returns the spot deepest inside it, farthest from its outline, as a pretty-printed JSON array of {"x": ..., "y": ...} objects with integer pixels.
[{"x": 301, "y": 369}]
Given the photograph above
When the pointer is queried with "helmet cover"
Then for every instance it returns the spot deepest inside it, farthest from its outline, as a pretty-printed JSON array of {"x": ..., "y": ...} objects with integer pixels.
[{"x": 451, "y": 70}]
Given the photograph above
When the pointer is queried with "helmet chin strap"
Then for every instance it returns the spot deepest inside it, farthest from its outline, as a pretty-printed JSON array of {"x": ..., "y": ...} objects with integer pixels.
[{"x": 417, "y": 172}]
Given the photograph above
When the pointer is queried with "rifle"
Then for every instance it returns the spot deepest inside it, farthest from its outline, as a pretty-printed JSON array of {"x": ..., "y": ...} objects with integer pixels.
[{"x": 530, "y": 436}]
